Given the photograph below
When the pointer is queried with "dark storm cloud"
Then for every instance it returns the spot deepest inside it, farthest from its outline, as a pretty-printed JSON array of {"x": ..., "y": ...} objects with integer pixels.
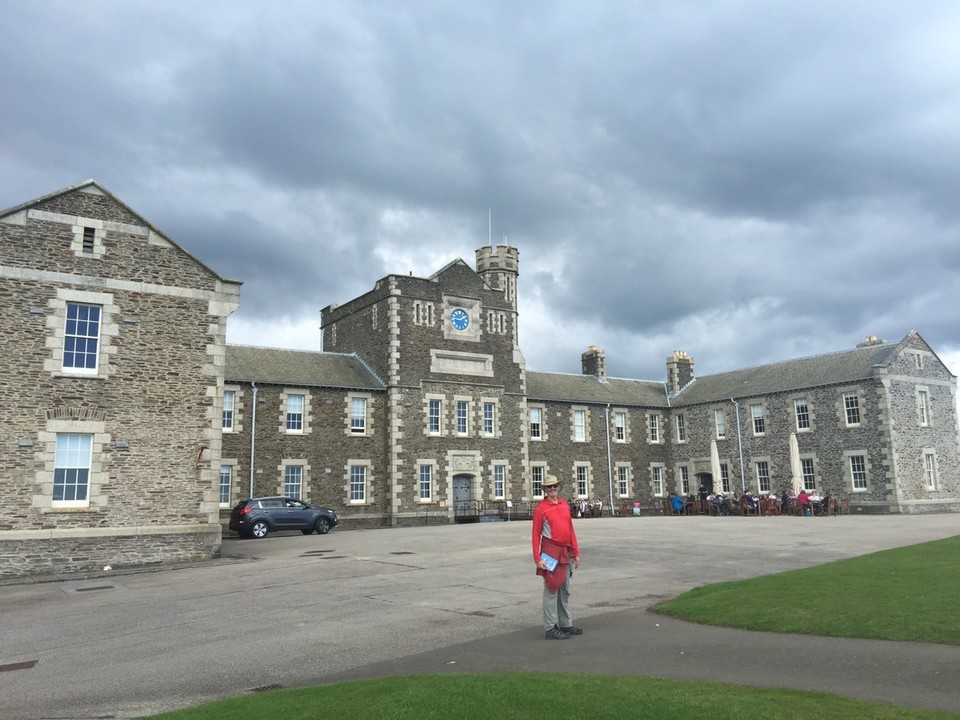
[{"x": 745, "y": 180}]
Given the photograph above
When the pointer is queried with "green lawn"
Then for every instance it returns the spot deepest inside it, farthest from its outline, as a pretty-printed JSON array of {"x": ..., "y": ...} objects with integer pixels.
[{"x": 902, "y": 594}]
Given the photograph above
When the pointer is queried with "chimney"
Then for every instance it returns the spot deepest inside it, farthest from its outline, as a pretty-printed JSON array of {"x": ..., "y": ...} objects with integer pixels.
[
  {"x": 871, "y": 340},
  {"x": 679, "y": 371},
  {"x": 594, "y": 362}
]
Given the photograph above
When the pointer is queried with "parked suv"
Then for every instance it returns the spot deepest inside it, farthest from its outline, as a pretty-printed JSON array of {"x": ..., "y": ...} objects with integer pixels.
[{"x": 258, "y": 516}]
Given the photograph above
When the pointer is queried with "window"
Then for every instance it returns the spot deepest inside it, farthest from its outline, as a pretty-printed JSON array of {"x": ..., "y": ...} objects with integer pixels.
[
  {"x": 657, "y": 476},
  {"x": 858, "y": 472},
  {"x": 358, "y": 483},
  {"x": 930, "y": 470},
  {"x": 763, "y": 476},
  {"x": 536, "y": 428},
  {"x": 851, "y": 405},
  {"x": 295, "y": 413},
  {"x": 620, "y": 427},
  {"x": 423, "y": 313},
  {"x": 293, "y": 481},
  {"x": 923, "y": 407},
  {"x": 918, "y": 360},
  {"x": 433, "y": 417},
  {"x": 358, "y": 416},
  {"x": 81, "y": 338},
  {"x": 499, "y": 481},
  {"x": 623, "y": 481},
  {"x": 654, "y": 428},
  {"x": 229, "y": 400},
  {"x": 537, "y": 476},
  {"x": 226, "y": 484},
  {"x": 579, "y": 425},
  {"x": 489, "y": 418},
  {"x": 681, "y": 429},
  {"x": 720, "y": 423},
  {"x": 426, "y": 483},
  {"x": 684, "y": 480},
  {"x": 758, "y": 425},
  {"x": 583, "y": 481},
  {"x": 724, "y": 478},
  {"x": 71, "y": 470},
  {"x": 89, "y": 235},
  {"x": 802, "y": 412},
  {"x": 463, "y": 409},
  {"x": 806, "y": 472}
]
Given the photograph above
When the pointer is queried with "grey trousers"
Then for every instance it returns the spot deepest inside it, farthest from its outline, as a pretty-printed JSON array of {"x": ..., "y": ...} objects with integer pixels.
[{"x": 556, "y": 605}]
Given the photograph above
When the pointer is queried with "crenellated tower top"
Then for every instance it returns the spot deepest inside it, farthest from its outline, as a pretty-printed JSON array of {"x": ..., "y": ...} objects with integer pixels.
[{"x": 499, "y": 266}]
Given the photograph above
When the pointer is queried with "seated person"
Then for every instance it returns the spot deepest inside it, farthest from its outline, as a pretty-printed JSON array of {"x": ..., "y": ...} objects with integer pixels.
[
  {"x": 750, "y": 500},
  {"x": 803, "y": 500},
  {"x": 720, "y": 503},
  {"x": 676, "y": 503}
]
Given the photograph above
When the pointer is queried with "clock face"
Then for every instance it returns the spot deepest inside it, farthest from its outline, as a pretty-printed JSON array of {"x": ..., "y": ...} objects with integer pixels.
[{"x": 459, "y": 319}]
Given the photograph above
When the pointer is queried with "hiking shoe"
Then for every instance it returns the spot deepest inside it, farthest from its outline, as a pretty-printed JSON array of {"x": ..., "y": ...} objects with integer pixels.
[
  {"x": 556, "y": 633},
  {"x": 572, "y": 630}
]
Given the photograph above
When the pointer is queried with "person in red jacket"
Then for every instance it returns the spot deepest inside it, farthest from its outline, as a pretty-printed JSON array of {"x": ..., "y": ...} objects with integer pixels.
[{"x": 554, "y": 539}]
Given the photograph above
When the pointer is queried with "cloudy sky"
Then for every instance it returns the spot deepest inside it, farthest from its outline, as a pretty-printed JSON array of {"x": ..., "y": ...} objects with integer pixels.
[{"x": 748, "y": 181}]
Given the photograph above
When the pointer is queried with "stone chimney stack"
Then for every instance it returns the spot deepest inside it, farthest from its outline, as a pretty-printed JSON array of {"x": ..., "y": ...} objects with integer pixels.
[
  {"x": 679, "y": 371},
  {"x": 871, "y": 340},
  {"x": 594, "y": 362}
]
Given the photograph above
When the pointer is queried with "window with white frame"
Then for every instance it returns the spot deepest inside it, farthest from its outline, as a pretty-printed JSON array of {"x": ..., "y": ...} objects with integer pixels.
[
  {"x": 295, "y": 413},
  {"x": 463, "y": 417},
  {"x": 684, "y": 480},
  {"x": 536, "y": 474},
  {"x": 229, "y": 401},
  {"x": 489, "y": 418},
  {"x": 858, "y": 472},
  {"x": 358, "y": 484},
  {"x": 536, "y": 423},
  {"x": 620, "y": 426},
  {"x": 656, "y": 473},
  {"x": 756, "y": 411},
  {"x": 801, "y": 412},
  {"x": 923, "y": 407},
  {"x": 681, "y": 426},
  {"x": 653, "y": 422},
  {"x": 226, "y": 484},
  {"x": 763, "y": 476},
  {"x": 434, "y": 407},
  {"x": 583, "y": 481},
  {"x": 579, "y": 425},
  {"x": 623, "y": 480},
  {"x": 71, "y": 470},
  {"x": 720, "y": 424},
  {"x": 930, "y": 470},
  {"x": 724, "y": 478},
  {"x": 358, "y": 416},
  {"x": 808, "y": 474},
  {"x": 426, "y": 483},
  {"x": 499, "y": 481},
  {"x": 81, "y": 338},
  {"x": 851, "y": 407},
  {"x": 293, "y": 481}
]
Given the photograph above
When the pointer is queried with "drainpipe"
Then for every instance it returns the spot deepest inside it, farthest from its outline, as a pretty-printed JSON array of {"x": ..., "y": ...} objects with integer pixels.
[
  {"x": 609, "y": 458},
  {"x": 743, "y": 485},
  {"x": 253, "y": 436}
]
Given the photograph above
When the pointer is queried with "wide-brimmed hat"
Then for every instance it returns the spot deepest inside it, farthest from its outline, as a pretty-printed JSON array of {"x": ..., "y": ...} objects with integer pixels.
[{"x": 550, "y": 481}]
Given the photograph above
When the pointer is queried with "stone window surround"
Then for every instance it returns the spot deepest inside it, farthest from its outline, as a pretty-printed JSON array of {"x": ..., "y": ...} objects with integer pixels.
[
  {"x": 468, "y": 401},
  {"x": 47, "y": 440},
  {"x": 614, "y": 412},
  {"x": 426, "y": 414},
  {"x": 627, "y": 468},
  {"x": 302, "y": 463},
  {"x": 432, "y": 464},
  {"x": 368, "y": 416},
  {"x": 368, "y": 479},
  {"x": 494, "y": 464},
  {"x": 574, "y": 409},
  {"x": 233, "y": 464},
  {"x": 307, "y": 411},
  {"x": 848, "y": 472},
  {"x": 543, "y": 422},
  {"x": 56, "y": 322},
  {"x": 654, "y": 469},
  {"x": 587, "y": 470}
]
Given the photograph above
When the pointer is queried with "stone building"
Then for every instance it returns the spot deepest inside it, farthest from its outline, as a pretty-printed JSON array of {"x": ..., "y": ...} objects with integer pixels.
[
  {"x": 422, "y": 410},
  {"x": 111, "y": 420},
  {"x": 129, "y": 427}
]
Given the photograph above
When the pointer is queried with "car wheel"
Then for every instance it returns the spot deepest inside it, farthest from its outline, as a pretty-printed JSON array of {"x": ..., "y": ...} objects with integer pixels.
[
  {"x": 322, "y": 526},
  {"x": 307, "y": 531},
  {"x": 259, "y": 529}
]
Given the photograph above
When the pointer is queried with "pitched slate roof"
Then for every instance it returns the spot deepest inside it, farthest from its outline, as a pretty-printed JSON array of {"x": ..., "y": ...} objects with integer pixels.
[
  {"x": 832, "y": 369},
  {"x": 589, "y": 390},
  {"x": 301, "y": 368}
]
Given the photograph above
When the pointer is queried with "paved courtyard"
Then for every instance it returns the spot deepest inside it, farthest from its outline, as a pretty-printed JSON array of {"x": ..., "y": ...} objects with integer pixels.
[{"x": 291, "y": 610}]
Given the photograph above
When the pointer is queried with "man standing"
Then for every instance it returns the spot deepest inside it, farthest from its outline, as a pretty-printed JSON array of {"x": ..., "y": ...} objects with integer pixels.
[{"x": 557, "y": 554}]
